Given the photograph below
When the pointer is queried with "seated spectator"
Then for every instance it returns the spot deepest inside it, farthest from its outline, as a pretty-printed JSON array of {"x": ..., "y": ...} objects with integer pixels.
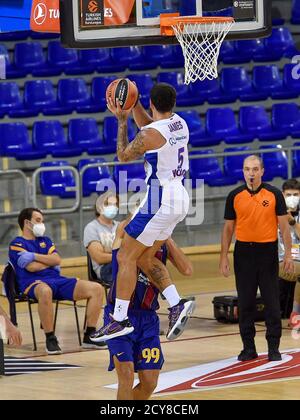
[
  {"x": 291, "y": 192},
  {"x": 37, "y": 267},
  {"x": 99, "y": 235}
]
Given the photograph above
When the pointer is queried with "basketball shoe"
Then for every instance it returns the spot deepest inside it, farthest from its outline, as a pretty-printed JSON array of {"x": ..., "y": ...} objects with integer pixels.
[{"x": 178, "y": 316}]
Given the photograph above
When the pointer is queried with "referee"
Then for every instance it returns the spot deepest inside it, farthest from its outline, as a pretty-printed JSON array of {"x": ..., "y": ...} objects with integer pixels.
[{"x": 253, "y": 212}]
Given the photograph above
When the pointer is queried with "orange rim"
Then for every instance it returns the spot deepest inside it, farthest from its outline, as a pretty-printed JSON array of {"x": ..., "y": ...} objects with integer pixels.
[{"x": 167, "y": 20}]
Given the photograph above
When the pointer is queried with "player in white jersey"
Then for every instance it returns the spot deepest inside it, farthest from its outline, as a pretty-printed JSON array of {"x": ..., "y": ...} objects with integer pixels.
[{"x": 163, "y": 140}]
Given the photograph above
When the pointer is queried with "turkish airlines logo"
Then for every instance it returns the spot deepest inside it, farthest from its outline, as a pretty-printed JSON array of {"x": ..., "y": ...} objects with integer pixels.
[
  {"x": 228, "y": 373},
  {"x": 40, "y": 13}
]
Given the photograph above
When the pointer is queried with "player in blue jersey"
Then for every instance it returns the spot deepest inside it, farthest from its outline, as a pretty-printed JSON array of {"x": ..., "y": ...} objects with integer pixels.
[
  {"x": 163, "y": 141},
  {"x": 37, "y": 266},
  {"x": 140, "y": 351}
]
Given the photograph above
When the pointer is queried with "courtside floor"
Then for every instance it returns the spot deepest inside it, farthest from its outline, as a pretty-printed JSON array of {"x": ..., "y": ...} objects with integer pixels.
[{"x": 200, "y": 365}]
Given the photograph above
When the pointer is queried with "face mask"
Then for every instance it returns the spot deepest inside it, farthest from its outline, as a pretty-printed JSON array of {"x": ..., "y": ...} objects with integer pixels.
[
  {"x": 110, "y": 212},
  {"x": 292, "y": 202},
  {"x": 38, "y": 229}
]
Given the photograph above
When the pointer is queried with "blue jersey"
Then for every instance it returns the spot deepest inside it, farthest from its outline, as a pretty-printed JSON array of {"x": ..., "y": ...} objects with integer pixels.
[
  {"x": 145, "y": 296},
  {"x": 42, "y": 245}
]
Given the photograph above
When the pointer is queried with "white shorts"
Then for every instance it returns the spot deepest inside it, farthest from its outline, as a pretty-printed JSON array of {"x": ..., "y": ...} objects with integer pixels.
[{"x": 159, "y": 213}]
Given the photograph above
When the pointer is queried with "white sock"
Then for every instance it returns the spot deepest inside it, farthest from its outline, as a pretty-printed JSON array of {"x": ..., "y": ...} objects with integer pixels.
[
  {"x": 171, "y": 294},
  {"x": 121, "y": 308}
]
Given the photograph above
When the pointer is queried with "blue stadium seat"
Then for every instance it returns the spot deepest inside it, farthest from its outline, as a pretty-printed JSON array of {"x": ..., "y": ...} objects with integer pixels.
[
  {"x": 296, "y": 161},
  {"x": 134, "y": 174},
  {"x": 10, "y": 97},
  {"x": 291, "y": 83},
  {"x": 29, "y": 56},
  {"x": 208, "y": 169},
  {"x": 233, "y": 165},
  {"x": 84, "y": 133},
  {"x": 202, "y": 91},
  {"x": 198, "y": 134},
  {"x": 57, "y": 183},
  {"x": 15, "y": 142},
  {"x": 73, "y": 93},
  {"x": 275, "y": 163},
  {"x": 144, "y": 83},
  {"x": 93, "y": 177},
  {"x": 286, "y": 117},
  {"x": 100, "y": 60},
  {"x": 126, "y": 55},
  {"x": 295, "y": 19},
  {"x": 255, "y": 120},
  {"x": 40, "y": 95},
  {"x": 267, "y": 79},
  {"x": 67, "y": 60},
  {"x": 110, "y": 132},
  {"x": 184, "y": 98},
  {"x": 152, "y": 57},
  {"x": 278, "y": 44},
  {"x": 49, "y": 136},
  {"x": 174, "y": 59},
  {"x": 246, "y": 49},
  {"x": 229, "y": 55},
  {"x": 12, "y": 72},
  {"x": 98, "y": 97},
  {"x": 236, "y": 82},
  {"x": 221, "y": 125}
]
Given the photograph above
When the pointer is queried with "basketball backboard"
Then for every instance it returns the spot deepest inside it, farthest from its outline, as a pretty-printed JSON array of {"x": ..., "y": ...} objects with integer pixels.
[{"x": 115, "y": 23}]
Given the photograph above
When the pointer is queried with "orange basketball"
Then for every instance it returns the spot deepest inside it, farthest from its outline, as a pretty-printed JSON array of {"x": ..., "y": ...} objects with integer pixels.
[
  {"x": 125, "y": 91},
  {"x": 93, "y": 6}
]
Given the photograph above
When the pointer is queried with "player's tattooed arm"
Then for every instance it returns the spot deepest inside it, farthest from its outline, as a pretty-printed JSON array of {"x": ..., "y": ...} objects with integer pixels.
[
  {"x": 158, "y": 276},
  {"x": 145, "y": 140},
  {"x": 126, "y": 151}
]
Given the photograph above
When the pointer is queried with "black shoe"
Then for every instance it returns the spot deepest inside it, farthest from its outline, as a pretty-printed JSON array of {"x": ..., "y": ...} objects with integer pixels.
[
  {"x": 52, "y": 346},
  {"x": 274, "y": 356},
  {"x": 89, "y": 344},
  {"x": 246, "y": 355}
]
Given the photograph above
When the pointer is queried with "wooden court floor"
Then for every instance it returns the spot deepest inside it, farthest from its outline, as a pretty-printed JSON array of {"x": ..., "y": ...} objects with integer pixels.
[{"x": 204, "y": 341}]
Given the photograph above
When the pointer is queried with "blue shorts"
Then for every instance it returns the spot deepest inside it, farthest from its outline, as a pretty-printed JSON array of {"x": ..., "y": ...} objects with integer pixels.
[
  {"x": 142, "y": 346},
  {"x": 62, "y": 287},
  {"x": 159, "y": 213}
]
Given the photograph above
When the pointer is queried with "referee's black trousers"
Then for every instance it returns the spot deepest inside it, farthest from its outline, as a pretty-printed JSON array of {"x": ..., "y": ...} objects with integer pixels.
[{"x": 256, "y": 265}]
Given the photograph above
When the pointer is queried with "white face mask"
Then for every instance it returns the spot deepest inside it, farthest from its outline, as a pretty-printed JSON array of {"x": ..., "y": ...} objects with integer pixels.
[
  {"x": 39, "y": 229},
  {"x": 110, "y": 212},
  {"x": 292, "y": 202}
]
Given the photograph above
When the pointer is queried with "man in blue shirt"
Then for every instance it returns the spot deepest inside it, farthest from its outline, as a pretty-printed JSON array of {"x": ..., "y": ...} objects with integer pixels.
[{"x": 37, "y": 267}]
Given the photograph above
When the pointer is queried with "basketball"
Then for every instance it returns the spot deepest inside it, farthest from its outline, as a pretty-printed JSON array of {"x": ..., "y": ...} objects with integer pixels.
[{"x": 124, "y": 90}]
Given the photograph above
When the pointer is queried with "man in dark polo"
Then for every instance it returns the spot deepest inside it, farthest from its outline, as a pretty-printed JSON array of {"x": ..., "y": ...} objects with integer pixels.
[{"x": 253, "y": 212}]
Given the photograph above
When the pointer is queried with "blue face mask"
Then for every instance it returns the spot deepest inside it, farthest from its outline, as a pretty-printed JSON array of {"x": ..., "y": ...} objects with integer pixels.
[{"x": 110, "y": 212}]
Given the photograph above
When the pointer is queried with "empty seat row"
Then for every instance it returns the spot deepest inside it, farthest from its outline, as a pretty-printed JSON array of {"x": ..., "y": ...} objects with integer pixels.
[
  {"x": 40, "y": 96},
  {"x": 57, "y": 183},
  {"x": 279, "y": 44},
  {"x": 236, "y": 83},
  {"x": 23, "y": 35},
  {"x": 253, "y": 122},
  {"x": 29, "y": 57},
  {"x": 48, "y": 137}
]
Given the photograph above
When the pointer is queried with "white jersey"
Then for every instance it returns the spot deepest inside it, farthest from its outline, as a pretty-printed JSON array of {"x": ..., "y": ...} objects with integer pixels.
[{"x": 171, "y": 161}]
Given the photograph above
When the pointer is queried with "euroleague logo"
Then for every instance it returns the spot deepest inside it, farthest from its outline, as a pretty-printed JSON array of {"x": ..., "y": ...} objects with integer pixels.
[
  {"x": 40, "y": 13},
  {"x": 93, "y": 6}
]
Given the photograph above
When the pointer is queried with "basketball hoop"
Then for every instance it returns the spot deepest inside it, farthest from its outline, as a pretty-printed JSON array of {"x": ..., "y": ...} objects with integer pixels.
[{"x": 200, "y": 39}]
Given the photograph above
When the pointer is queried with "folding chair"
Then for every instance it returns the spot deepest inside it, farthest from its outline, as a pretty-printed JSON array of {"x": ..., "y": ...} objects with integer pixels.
[{"x": 14, "y": 296}]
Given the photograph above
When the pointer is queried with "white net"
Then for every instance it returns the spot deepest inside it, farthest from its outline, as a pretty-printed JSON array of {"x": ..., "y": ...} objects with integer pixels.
[{"x": 201, "y": 44}]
